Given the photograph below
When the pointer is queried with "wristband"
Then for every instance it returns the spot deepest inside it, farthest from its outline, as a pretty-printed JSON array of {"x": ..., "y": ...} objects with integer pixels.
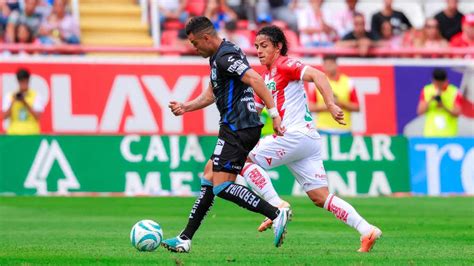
[{"x": 273, "y": 112}]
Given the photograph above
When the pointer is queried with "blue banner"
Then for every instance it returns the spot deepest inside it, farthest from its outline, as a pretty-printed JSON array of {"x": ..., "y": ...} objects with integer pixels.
[{"x": 442, "y": 166}]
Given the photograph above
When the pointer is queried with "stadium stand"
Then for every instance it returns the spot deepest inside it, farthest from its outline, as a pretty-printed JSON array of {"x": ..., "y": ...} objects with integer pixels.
[
  {"x": 113, "y": 22},
  {"x": 121, "y": 26}
]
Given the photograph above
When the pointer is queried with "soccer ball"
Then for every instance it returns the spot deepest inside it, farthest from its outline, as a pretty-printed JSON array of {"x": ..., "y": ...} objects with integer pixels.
[{"x": 146, "y": 235}]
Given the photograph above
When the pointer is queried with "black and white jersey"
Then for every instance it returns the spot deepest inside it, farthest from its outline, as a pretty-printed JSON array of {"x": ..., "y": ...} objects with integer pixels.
[{"x": 234, "y": 99}]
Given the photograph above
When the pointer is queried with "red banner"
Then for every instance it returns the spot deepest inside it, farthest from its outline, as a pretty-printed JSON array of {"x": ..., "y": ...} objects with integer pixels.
[{"x": 106, "y": 98}]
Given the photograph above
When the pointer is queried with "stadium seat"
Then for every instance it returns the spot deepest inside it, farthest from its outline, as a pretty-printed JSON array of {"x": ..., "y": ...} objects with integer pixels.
[
  {"x": 280, "y": 23},
  {"x": 196, "y": 7},
  {"x": 292, "y": 37},
  {"x": 242, "y": 24},
  {"x": 247, "y": 33},
  {"x": 173, "y": 25},
  {"x": 168, "y": 37}
]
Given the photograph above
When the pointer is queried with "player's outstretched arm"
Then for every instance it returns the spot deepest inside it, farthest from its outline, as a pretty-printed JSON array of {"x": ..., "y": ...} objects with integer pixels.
[
  {"x": 205, "y": 99},
  {"x": 254, "y": 80},
  {"x": 321, "y": 81}
]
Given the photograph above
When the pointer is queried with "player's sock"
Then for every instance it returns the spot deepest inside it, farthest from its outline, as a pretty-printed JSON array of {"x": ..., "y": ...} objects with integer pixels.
[
  {"x": 200, "y": 208},
  {"x": 245, "y": 198},
  {"x": 346, "y": 213},
  {"x": 260, "y": 182}
]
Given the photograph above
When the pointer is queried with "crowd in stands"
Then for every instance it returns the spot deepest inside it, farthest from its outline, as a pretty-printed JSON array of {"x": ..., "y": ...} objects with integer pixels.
[
  {"x": 305, "y": 22},
  {"x": 308, "y": 24},
  {"x": 47, "y": 22}
]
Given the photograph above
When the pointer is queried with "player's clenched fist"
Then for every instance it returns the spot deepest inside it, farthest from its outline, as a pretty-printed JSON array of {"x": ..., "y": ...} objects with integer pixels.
[{"x": 177, "y": 108}]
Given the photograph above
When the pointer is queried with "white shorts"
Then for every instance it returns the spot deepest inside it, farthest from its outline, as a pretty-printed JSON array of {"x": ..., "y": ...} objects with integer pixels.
[{"x": 299, "y": 152}]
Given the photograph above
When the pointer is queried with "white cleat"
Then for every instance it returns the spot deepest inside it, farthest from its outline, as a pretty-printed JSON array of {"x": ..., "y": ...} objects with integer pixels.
[
  {"x": 267, "y": 223},
  {"x": 279, "y": 226},
  {"x": 177, "y": 244}
]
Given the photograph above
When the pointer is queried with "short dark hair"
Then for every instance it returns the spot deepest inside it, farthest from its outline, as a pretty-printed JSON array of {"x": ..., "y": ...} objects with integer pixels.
[
  {"x": 199, "y": 24},
  {"x": 330, "y": 57},
  {"x": 439, "y": 74},
  {"x": 358, "y": 14},
  {"x": 276, "y": 36},
  {"x": 22, "y": 74}
]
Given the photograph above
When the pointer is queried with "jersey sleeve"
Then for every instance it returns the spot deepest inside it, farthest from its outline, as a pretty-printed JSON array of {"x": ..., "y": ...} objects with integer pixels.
[
  {"x": 422, "y": 96},
  {"x": 38, "y": 104},
  {"x": 7, "y": 102},
  {"x": 292, "y": 68},
  {"x": 353, "y": 94},
  {"x": 232, "y": 64},
  {"x": 458, "y": 100}
]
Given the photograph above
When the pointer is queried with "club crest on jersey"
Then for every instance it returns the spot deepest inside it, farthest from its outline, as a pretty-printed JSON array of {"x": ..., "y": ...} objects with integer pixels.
[{"x": 271, "y": 85}]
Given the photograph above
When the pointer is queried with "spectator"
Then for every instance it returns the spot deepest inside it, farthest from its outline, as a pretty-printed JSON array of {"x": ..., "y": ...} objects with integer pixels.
[
  {"x": 23, "y": 34},
  {"x": 241, "y": 8},
  {"x": 28, "y": 16},
  {"x": 399, "y": 21},
  {"x": 466, "y": 37},
  {"x": 218, "y": 15},
  {"x": 314, "y": 31},
  {"x": 280, "y": 10},
  {"x": 23, "y": 107},
  {"x": 264, "y": 20},
  {"x": 344, "y": 20},
  {"x": 449, "y": 20},
  {"x": 59, "y": 27},
  {"x": 230, "y": 33},
  {"x": 195, "y": 7},
  {"x": 441, "y": 104},
  {"x": 4, "y": 13},
  {"x": 172, "y": 10},
  {"x": 388, "y": 39},
  {"x": 44, "y": 7},
  {"x": 359, "y": 38},
  {"x": 431, "y": 37},
  {"x": 13, "y": 4},
  {"x": 345, "y": 96}
]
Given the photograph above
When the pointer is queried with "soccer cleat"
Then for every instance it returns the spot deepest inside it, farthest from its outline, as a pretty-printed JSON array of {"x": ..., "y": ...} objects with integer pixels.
[
  {"x": 368, "y": 241},
  {"x": 279, "y": 226},
  {"x": 177, "y": 244},
  {"x": 267, "y": 223}
]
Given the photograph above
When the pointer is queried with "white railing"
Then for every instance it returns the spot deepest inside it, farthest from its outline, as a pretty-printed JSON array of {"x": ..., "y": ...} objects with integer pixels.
[
  {"x": 144, "y": 9},
  {"x": 75, "y": 11},
  {"x": 155, "y": 23},
  {"x": 150, "y": 7}
]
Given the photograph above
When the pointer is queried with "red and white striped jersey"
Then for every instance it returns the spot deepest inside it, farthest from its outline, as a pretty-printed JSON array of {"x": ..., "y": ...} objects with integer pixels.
[{"x": 285, "y": 82}]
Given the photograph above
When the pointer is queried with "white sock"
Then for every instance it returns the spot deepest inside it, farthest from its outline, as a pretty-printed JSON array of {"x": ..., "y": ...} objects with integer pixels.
[
  {"x": 260, "y": 182},
  {"x": 346, "y": 213}
]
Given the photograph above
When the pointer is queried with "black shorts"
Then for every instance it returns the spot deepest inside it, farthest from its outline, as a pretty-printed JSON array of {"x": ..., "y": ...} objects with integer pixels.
[{"x": 233, "y": 147}]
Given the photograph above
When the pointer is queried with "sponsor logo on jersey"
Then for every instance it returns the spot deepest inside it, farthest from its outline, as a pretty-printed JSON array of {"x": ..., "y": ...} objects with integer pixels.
[{"x": 271, "y": 85}]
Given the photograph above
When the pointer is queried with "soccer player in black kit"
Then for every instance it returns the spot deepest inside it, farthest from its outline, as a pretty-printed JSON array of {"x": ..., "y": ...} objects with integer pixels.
[{"x": 231, "y": 87}]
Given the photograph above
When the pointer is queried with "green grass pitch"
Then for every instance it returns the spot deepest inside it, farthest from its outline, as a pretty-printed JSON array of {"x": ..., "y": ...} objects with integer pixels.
[{"x": 60, "y": 231}]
